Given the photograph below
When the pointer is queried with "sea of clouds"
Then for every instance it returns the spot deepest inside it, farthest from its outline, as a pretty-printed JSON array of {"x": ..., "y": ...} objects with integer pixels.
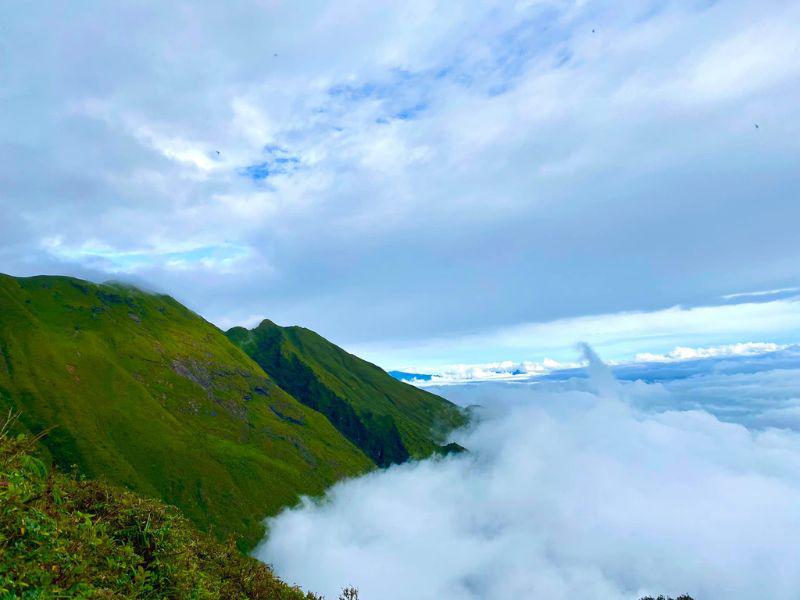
[
  {"x": 677, "y": 476},
  {"x": 509, "y": 370}
]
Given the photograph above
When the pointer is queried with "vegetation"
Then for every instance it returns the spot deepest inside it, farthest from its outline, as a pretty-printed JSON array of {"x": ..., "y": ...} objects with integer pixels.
[
  {"x": 67, "y": 537},
  {"x": 388, "y": 419},
  {"x": 153, "y": 398},
  {"x": 681, "y": 597},
  {"x": 349, "y": 593}
]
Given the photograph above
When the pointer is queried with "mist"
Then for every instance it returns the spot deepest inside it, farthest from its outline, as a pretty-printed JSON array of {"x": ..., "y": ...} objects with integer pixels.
[{"x": 568, "y": 491}]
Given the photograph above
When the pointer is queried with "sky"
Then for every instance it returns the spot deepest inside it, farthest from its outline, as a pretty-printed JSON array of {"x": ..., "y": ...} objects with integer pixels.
[
  {"x": 425, "y": 183},
  {"x": 495, "y": 193},
  {"x": 669, "y": 478}
]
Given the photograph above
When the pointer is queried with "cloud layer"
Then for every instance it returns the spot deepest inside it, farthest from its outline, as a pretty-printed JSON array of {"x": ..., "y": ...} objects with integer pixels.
[
  {"x": 525, "y": 371},
  {"x": 619, "y": 336},
  {"x": 573, "y": 491},
  {"x": 395, "y": 171}
]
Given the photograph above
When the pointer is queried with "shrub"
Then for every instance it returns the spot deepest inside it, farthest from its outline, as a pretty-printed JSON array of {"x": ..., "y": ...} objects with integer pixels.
[
  {"x": 349, "y": 593},
  {"x": 63, "y": 536}
]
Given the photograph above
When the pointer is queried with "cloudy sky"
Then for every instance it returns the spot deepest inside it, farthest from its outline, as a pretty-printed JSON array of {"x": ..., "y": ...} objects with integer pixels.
[{"x": 424, "y": 182}]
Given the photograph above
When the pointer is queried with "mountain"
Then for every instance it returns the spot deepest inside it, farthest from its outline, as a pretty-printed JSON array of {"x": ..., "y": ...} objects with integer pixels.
[
  {"x": 144, "y": 393},
  {"x": 388, "y": 419}
]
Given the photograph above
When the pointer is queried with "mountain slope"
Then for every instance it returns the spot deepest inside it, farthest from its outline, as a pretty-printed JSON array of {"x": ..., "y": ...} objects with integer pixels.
[
  {"x": 147, "y": 394},
  {"x": 390, "y": 420}
]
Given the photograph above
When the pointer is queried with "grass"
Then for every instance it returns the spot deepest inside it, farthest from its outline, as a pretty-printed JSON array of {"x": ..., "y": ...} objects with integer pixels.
[
  {"x": 388, "y": 419},
  {"x": 155, "y": 399}
]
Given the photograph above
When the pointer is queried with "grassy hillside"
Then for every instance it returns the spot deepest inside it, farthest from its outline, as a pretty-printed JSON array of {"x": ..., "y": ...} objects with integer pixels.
[
  {"x": 150, "y": 396},
  {"x": 62, "y": 537},
  {"x": 390, "y": 420}
]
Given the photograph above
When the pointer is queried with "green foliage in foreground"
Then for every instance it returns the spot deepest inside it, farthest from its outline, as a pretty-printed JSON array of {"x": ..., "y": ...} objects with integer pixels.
[
  {"x": 65, "y": 537},
  {"x": 388, "y": 419}
]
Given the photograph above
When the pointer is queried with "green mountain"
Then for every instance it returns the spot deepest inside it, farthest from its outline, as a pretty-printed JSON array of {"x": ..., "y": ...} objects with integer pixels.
[
  {"x": 388, "y": 419},
  {"x": 146, "y": 394}
]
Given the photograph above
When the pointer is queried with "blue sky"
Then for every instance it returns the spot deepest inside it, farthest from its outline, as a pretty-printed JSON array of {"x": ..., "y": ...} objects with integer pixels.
[{"x": 427, "y": 183}]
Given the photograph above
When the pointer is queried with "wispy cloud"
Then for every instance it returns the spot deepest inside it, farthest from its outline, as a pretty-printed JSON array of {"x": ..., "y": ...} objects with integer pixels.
[
  {"x": 187, "y": 256},
  {"x": 684, "y": 353},
  {"x": 761, "y": 293}
]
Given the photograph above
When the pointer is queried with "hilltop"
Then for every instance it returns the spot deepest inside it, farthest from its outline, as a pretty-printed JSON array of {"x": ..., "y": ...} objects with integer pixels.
[
  {"x": 388, "y": 419},
  {"x": 146, "y": 394}
]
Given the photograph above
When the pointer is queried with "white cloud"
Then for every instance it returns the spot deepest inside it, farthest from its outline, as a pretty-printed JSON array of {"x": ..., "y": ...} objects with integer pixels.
[
  {"x": 502, "y": 370},
  {"x": 766, "y": 53},
  {"x": 685, "y": 353},
  {"x": 178, "y": 149},
  {"x": 619, "y": 335},
  {"x": 462, "y": 168},
  {"x": 565, "y": 494},
  {"x": 511, "y": 371},
  {"x": 249, "y": 322},
  {"x": 212, "y": 257},
  {"x": 761, "y": 293}
]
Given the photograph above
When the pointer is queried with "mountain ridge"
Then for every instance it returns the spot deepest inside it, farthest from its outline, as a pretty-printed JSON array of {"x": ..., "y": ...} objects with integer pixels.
[
  {"x": 147, "y": 394},
  {"x": 389, "y": 420}
]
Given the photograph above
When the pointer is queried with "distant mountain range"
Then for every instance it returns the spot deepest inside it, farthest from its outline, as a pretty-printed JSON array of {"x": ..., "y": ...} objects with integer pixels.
[
  {"x": 229, "y": 427},
  {"x": 403, "y": 376}
]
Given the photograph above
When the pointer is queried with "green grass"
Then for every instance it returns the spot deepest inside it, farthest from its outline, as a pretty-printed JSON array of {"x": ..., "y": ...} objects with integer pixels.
[
  {"x": 388, "y": 419},
  {"x": 150, "y": 396},
  {"x": 65, "y": 537}
]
